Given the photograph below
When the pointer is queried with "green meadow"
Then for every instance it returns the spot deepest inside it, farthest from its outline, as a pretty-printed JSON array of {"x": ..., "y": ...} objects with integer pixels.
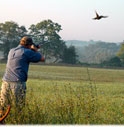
[{"x": 62, "y": 95}]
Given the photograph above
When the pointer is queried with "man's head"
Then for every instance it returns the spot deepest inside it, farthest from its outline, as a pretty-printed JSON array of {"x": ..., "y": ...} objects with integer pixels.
[{"x": 26, "y": 41}]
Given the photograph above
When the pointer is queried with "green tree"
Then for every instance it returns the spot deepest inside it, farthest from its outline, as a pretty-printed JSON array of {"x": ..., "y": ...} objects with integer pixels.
[
  {"x": 70, "y": 56},
  {"x": 48, "y": 31},
  {"x": 10, "y": 34},
  {"x": 113, "y": 62},
  {"x": 120, "y": 53}
]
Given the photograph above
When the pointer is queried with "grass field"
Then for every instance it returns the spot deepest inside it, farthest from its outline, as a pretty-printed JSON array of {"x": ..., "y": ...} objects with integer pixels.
[{"x": 71, "y": 95}]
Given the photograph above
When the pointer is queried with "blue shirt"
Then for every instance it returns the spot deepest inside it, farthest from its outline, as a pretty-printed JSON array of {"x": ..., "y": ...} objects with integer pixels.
[{"x": 18, "y": 63}]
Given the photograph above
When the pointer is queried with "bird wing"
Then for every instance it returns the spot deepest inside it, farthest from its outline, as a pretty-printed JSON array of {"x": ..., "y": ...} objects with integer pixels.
[
  {"x": 104, "y": 16},
  {"x": 96, "y": 14}
]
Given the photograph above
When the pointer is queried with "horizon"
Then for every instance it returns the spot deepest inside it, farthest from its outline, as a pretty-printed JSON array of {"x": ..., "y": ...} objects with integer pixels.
[{"x": 93, "y": 41}]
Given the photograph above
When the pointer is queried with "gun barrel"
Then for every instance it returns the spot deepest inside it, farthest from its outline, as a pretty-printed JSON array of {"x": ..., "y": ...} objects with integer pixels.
[{"x": 40, "y": 44}]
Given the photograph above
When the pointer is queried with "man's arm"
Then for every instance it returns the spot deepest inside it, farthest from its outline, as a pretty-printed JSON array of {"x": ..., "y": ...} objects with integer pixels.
[{"x": 36, "y": 49}]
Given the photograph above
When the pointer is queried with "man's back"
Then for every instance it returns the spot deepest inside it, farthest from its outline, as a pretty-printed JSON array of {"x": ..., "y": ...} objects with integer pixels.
[{"x": 18, "y": 63}]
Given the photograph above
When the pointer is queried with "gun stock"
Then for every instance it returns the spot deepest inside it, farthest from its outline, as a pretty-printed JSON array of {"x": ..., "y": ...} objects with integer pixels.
[{"x": 5, "y": 115}]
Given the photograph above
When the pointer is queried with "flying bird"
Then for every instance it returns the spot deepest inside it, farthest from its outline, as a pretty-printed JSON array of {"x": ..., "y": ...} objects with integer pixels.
[{"x": 98, "y": 17}]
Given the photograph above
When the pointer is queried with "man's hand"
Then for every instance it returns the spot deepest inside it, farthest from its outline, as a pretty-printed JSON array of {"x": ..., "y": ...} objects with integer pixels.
[{"x": 34, "y": 48}]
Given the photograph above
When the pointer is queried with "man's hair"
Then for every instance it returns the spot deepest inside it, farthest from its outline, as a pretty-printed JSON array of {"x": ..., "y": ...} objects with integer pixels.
[{"x": 25, "y": 41}]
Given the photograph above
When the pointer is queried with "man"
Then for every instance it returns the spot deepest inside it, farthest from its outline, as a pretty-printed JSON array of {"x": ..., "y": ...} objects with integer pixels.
[{"x": 13, "y": 89}]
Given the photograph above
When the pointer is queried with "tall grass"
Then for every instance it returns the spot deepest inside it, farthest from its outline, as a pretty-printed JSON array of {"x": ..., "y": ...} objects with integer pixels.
[
  {"x": 57, "y": 104},
  {"x": 71, "y": 95}
]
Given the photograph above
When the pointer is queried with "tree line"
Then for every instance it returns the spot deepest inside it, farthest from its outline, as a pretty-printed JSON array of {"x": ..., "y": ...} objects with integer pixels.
[
  {"x": 102, "y": 54},
  {"x": 56, "y": 49}
]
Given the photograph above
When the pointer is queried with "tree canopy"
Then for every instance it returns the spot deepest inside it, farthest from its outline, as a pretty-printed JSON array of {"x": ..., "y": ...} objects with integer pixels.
[
  {"x": 70, "y": 56},
  {"x": 10, "y": 34},
  {"x": 46, "y": 30}
]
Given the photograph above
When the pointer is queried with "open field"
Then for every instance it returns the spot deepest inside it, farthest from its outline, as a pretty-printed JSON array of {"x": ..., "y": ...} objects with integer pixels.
[{"x": 71, "y": 95}]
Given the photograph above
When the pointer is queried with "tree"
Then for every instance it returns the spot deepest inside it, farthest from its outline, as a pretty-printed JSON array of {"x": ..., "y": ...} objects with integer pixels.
[
  {"x": 70, "y": 56},
  {"x": 48, "y": 31},
  {"x": 113, "y": 62},
  {"x": 10, "y": 34},
  {"x": 120, "y": 53}
]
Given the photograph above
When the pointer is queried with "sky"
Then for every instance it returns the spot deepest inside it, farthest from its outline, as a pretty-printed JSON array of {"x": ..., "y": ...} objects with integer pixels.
[{"x": 74, "y": 16}]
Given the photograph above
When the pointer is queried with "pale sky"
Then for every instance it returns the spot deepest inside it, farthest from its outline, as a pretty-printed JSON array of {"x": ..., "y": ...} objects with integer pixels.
[{"x": 75, "y": 17}]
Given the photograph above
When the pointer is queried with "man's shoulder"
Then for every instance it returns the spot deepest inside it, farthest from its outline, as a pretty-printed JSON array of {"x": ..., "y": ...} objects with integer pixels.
[{"x": 16, "y": 48}]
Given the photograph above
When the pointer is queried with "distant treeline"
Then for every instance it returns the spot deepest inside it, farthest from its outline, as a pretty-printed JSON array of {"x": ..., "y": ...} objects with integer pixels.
[{"x": 97, "y": 53}]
